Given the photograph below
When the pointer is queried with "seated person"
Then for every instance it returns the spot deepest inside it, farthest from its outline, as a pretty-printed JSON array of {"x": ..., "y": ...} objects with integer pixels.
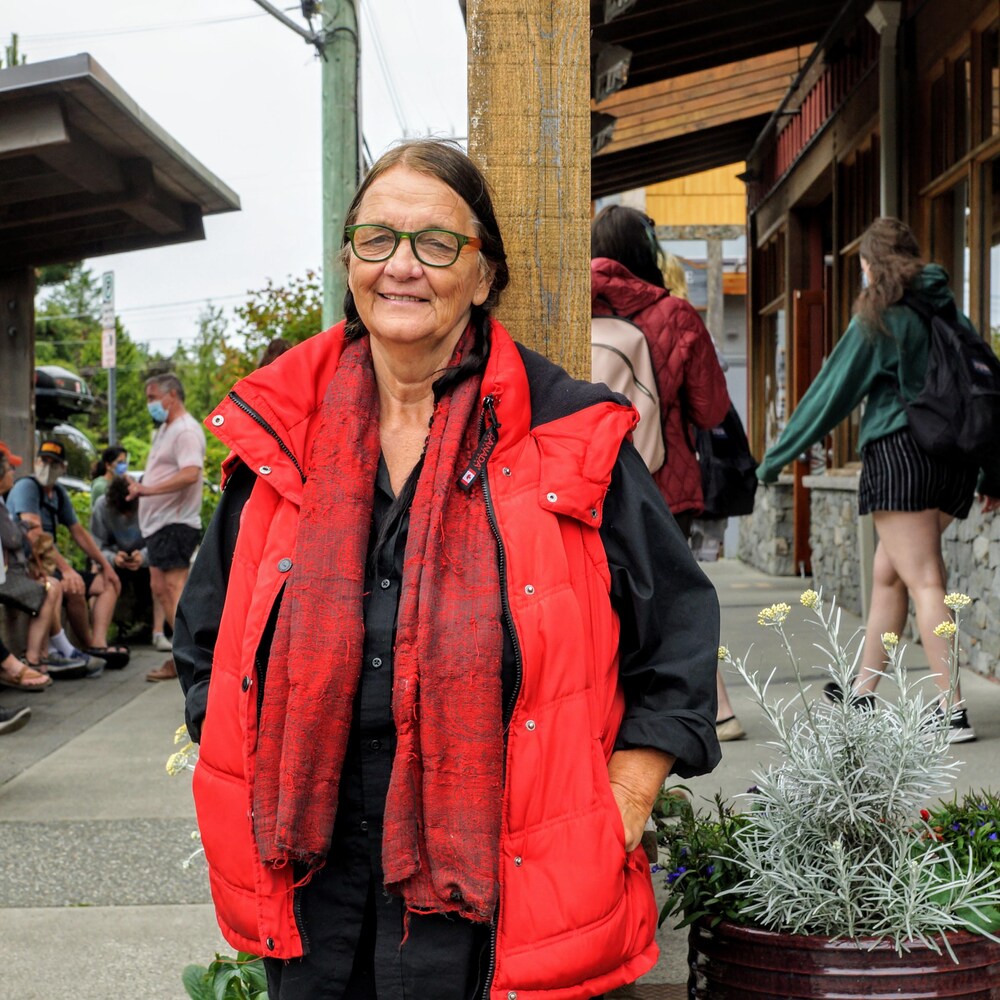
[
  {"x": 40, "y": 501},
  {"x": 114, "y": 523},
  {"x": 113, "y": 462},
  {"x": 21, "y": 586}
]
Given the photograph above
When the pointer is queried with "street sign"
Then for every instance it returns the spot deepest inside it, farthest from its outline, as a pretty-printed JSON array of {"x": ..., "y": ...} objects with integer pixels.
[{"x": 108, "y": 343}]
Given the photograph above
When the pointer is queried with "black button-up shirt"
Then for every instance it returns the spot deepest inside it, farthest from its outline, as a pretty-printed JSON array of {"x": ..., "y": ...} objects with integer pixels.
[{"x": 353, "y": 926}]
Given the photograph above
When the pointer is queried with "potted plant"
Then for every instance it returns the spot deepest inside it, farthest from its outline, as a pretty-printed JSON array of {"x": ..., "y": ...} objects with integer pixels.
[{"x": 837, "y": 877}]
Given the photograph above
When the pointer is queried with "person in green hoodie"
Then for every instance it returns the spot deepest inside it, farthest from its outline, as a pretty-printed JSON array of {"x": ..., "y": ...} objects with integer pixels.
[{"x": 911, "y": 496}]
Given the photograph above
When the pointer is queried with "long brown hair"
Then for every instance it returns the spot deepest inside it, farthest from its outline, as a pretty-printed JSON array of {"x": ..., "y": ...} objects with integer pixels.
[{"x": 892, "y": 253}]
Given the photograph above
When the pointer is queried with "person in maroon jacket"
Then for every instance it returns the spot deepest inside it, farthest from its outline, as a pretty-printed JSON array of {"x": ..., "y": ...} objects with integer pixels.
[{"x": 626, "y": 279}]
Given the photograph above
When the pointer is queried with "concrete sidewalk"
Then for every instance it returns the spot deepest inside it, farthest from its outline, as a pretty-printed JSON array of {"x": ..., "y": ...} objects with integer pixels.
[{"x": 94, "y": 899}]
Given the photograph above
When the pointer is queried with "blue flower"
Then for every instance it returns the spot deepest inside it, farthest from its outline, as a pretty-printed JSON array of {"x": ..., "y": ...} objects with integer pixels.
[
  {"x": 710, "y": 870},
  {"x": 684, "y": 852},
  {"x": 653, "y": 869},
  {"x": 955, "y": 826},
  {"x": 993, "y": 836},
  {"x": 675, "y": 875}
]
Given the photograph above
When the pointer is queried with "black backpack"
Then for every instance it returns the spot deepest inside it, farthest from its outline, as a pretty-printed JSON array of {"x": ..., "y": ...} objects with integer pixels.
[
  {"x": 956, "y": 414},
  {"x": 728, "y": 470}
]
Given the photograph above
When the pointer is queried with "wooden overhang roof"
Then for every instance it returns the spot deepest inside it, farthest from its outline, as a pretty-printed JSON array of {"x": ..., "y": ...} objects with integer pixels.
[
  {"x": 703, "y": 81},
  {"x": 85, "y": 172}
]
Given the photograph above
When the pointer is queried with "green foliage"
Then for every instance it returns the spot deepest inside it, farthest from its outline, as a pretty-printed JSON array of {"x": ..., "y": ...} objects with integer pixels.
[
  {"x": 970, "y": 825},
  {"x": 834, "y": 840},
  {"x": 72, "y": 552},
  {"x": 14, "y": 58},
  {"x": 698, "y": 852},
  {"x": 227, "y": 978},
  {"x": 293, "y": 311}
]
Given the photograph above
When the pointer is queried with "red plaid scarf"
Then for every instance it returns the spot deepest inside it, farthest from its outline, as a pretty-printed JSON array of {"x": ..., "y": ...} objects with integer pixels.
[{"x": 440, "y": 844}]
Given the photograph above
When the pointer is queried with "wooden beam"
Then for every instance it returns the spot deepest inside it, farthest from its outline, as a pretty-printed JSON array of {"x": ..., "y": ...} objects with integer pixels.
[
  {"x": 32, "y": 126},
  {"x": 17, "y": 361},
  {"x": 529, "y": 130},
  {"x": 84, "y": 162}
]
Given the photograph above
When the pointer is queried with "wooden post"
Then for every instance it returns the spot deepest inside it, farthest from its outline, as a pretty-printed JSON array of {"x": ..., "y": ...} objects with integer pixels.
[
  {"x": 529, "y": 131},
  {"x": 17, "y": 363}
]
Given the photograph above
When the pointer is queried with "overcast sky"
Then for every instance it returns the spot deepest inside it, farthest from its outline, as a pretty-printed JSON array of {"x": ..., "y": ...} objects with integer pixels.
[{"x": 241, "y": 92}]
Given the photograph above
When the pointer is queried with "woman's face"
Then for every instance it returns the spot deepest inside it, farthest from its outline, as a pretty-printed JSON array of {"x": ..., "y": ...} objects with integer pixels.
[{"x": 401, "y": 301}]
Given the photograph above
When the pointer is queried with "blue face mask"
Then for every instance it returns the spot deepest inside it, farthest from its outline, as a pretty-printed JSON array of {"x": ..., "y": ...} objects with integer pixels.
[
  {"x": 157, "y": 412},
  {"x": 121, "y": 468}
]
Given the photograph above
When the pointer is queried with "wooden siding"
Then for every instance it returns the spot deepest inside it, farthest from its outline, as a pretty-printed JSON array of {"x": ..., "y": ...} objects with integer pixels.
[{"x": 711, "y": 198}]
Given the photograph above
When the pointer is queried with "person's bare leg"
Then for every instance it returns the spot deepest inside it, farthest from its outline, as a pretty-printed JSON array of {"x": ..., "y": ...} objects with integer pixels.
[
  {"x": 102, "y": 611},
  {"x": 159, "y": 616},
  {"x": 725, "y": 709},
  {"x": 79, "y": 618},
  {"x": 888, "y": 611},
  {"x": 40, "y": 627},
  {"x": 173, "y": 584},
  {"x": 912, "y": 543}
]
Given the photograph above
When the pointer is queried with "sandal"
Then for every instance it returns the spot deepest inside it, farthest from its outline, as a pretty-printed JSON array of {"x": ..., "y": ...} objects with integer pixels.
[
  {"x": 115, "y": 657},
  {"x": 26, "y": 679}
]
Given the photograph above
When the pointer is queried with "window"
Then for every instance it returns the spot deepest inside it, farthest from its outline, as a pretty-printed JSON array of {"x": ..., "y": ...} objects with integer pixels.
[{"x": 950, "y": 239}]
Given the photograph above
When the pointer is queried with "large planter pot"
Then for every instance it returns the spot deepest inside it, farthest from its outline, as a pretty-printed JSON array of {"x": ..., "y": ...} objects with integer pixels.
[{"x": 729, "y": 961}]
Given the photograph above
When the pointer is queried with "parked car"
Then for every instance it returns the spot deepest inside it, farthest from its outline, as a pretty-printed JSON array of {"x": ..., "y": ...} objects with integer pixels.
[{"x": 59, "y": 394}]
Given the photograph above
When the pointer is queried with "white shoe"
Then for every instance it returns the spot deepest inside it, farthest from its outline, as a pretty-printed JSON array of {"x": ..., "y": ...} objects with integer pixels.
[{"x": 161, "y": 643}]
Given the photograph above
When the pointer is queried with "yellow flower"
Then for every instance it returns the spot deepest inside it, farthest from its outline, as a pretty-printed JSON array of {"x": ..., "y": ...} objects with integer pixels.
[
  {"x": 723, "y": 653},
  {"x": 175, "y": 763},
  {"x": 946, "y": 629},
  {"x": 181, "y": 735},
  {"x": 957, "y": 601},
  {"x": 809, "y": 598},
  {"x": 890, "y": 640},
  {"x": 774, "y": 615}
]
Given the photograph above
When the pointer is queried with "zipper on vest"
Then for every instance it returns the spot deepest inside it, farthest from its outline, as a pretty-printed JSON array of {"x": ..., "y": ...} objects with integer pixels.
[
  {"x": 248, "y": 409},
  {"x": 508, "y": 709},
  {"x": 489, "y": 434}
]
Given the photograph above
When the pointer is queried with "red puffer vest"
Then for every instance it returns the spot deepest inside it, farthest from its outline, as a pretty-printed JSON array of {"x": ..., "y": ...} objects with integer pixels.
[
  {"x": 577, "y": 915},
  {"x": 684, "y": 359}
]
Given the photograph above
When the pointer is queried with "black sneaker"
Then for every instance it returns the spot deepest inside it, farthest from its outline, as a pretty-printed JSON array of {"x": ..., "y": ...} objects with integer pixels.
[
  {"x": 835, "y": 693},
  {"x": 959, "y": 729},
  {"x": 12, "y": 719}
]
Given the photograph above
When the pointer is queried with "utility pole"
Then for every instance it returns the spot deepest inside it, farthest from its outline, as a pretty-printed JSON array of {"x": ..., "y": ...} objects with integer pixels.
[
  {"x": 336, "y": 40},
  {"x": 341, "y": 145}
]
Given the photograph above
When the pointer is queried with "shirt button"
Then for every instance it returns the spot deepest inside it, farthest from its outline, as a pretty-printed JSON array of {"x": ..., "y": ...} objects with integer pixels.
[
  {"x": 376, "y": 744},
  {"x": 284, "y": 565},
  {"x": 385, "y": 584},
  {"x": 364, "y": 826},
  {"x": 218, "y": 420},
  {"x": 376, "y": 662}
]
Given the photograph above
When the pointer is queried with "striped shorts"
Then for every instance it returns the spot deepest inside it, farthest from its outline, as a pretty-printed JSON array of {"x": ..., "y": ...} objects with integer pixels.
[{"x": 897, "y": 475}]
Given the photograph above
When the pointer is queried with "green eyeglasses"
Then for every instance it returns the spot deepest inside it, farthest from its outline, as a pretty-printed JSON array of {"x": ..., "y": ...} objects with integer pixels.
[{"x": 433, "y": 247}]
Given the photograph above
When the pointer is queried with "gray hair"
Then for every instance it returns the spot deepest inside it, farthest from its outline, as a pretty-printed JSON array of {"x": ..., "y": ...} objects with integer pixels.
[{"x": 167, "y": 382}]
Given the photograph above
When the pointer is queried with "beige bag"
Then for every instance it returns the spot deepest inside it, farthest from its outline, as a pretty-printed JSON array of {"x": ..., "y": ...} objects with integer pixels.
[{"x": 619, "y": 357}]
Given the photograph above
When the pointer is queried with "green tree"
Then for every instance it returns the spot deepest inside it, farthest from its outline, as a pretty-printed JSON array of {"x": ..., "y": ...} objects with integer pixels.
[
  {"x": 293, "y": 311},
  {"x": 68, "y": 333}
]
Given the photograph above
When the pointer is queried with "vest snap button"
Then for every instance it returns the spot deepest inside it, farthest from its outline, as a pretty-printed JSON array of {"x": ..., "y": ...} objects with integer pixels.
[
  {"x": 506, "y": 470},
  {"x": 530, "y": 725},
  {"x": 551, "y": 497},
  {"x": 517, "y": 861},
  {"x": 218, "y": 420},
  {"x": 270, "y": 944},
  {"x": 529, "y": 590},
  {"x": 511, "y": 995},
  {"x": 246, "y": 684},
  {"x": 265, "y": 470},
  {"x": 284, "y": 565},
  {"x": 593, "y": 512}
]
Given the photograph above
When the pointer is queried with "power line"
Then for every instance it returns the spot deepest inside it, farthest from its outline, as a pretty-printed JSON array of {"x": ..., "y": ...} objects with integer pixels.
[{"x": 136, "y": 29}]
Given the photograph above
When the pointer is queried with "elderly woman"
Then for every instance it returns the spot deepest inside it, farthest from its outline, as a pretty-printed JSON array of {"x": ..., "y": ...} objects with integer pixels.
[{"x": 442, "y": 643}]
